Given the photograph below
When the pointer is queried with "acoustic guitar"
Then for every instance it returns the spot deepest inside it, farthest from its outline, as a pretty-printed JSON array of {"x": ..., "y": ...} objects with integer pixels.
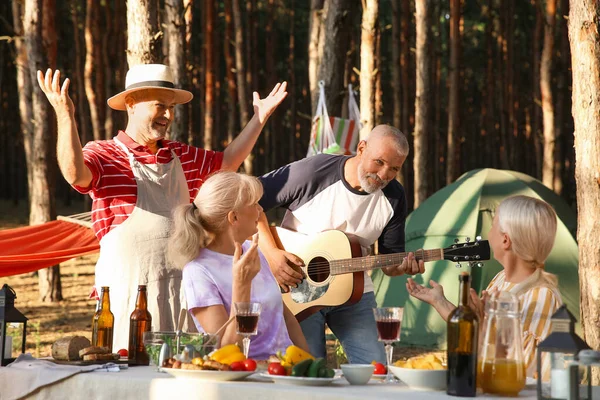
[{"x": 334, "y": 266}]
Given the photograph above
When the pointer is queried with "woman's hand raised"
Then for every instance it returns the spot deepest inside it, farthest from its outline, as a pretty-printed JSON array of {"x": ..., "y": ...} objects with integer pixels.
[{"x": 247, "y": 265}]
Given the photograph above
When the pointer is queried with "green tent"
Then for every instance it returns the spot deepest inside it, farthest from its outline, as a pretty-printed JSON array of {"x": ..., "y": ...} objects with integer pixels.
[{"x": 465, "y": 209}]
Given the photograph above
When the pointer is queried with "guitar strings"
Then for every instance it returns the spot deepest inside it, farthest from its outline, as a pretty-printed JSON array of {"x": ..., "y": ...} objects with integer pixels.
[{"x": 326, "y": 266}]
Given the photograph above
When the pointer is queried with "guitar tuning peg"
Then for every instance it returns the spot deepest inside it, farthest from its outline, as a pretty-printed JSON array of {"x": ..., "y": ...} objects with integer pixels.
[
  {"x": 479, "y": 264},
  {"x": 456, "y": 240},
  {"x": 467, "y": 258},
  {"x": 478, "y": 238},
  {"x": 468, "y": 239},
  {"x": 458, "y": 265}
]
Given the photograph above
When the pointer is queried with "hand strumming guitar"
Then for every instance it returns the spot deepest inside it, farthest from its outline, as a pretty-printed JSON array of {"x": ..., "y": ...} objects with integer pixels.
[{"x": 286, "y": 268}]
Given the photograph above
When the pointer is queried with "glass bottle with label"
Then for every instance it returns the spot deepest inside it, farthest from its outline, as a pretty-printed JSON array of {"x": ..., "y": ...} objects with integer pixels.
[
  {"x": 140, "y": 321},
  {"x": 463, "y": 332},
  {"x": 103, "y": 322}
]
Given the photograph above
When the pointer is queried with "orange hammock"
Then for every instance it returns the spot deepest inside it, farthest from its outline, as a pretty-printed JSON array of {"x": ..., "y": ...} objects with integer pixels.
[{"x": 31, "y": 248}]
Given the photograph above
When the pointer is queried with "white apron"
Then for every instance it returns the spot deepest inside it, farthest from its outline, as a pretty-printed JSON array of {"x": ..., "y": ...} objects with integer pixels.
[{"x": 134, "y": 253}]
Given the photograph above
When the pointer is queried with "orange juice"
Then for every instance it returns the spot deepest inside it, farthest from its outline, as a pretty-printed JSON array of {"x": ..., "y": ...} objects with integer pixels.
[{"x": 501, "y": 376}]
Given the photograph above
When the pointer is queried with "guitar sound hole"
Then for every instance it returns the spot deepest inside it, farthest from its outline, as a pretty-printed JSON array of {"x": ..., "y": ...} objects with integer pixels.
[{"x": 318, "y": 269}]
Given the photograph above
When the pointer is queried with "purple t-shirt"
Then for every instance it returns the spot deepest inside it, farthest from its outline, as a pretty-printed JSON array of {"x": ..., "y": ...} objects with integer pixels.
[{"x": 207, "y": 281}]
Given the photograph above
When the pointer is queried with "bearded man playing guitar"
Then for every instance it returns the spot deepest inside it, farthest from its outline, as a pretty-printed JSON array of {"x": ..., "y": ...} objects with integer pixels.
[{"x": 359, "y": 196}]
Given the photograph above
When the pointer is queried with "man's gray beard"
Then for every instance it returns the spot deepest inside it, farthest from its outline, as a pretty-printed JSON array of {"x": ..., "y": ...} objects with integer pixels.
[{"x": 366, "y": 185}]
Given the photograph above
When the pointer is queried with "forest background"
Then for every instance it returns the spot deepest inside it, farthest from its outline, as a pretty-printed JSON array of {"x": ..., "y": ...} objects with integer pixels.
[{"x": 473, "y": 84}]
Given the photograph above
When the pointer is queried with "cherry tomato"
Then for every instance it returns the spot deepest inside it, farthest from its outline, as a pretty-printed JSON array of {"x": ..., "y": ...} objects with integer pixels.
[
  {"x": 249, "y": 364},
  {"x": 122, "y": 353},
  {"x": 237, "y": 366},
  {"x": 276, "y": 369},
  {"x": 379, "y": 369}
]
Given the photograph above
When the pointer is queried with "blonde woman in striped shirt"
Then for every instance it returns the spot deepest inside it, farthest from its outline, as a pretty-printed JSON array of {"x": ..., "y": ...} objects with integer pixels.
[{"x": 521, "y": 238}]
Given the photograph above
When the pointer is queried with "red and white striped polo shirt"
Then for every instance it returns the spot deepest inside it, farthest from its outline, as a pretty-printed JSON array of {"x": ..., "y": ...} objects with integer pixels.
[{"x": 113, "y": 188}]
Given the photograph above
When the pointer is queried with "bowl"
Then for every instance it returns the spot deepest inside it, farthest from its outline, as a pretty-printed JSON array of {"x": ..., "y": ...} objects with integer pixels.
[
  {"x": 357, "y": 374},
  {"x": 421, "y": 379},
  {"x": 203, "y": 344}
]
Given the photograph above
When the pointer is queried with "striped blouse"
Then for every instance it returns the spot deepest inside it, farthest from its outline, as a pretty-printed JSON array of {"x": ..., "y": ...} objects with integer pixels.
[
  {"x": 113, "y": 188},
  {"x": 538, "y": 304}
]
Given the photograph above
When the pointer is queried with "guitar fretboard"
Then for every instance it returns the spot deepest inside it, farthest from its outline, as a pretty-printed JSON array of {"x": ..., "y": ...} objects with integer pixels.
[{"x": 338, "y": 267}]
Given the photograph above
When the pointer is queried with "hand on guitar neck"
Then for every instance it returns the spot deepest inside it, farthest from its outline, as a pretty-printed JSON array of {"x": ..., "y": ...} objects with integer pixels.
[{"x": 409, "y": 266}]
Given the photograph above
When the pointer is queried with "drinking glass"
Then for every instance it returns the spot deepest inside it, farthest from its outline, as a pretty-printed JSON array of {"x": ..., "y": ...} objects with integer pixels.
[
  {"x": 246, "y": 315},
  {"x": 389, "y": 321}
]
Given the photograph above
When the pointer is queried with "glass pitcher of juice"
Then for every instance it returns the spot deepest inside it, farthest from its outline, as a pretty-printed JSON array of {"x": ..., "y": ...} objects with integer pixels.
[{"x": 501, "y": 366}]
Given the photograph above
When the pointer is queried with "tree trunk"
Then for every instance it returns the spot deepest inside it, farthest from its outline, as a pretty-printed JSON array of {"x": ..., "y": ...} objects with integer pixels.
[
  {"x": 315, "y": 48},
  {"x": 396, "y": 83},
  {"x": 94, "y": 70},
  {"x": 367, "y": 66},
  {"x": 292, "y": 91},
  {"x": 536, "y": 100},
  {"x": 423, "y": 99},
  {"x": 561, "y": 97},
  {"x": 584, "y": 36},
  {"x": 24, "y": 85},
  {"x": 269, "y": 138},
  {"x": 40, "y": 38},
  {"x": 241, "y": 76},
  {"x": 77, "y": 87},
  {"x": 144, "y": 36},
  {"x": 176, "y": 29},
  {"x": 453, "y": 92},
  {"x": 405, "y": 66},
  {"x": 547, "y": 96},
  {"x": 188, "y": 16},
  {"x": 104, "y": 83},
  {"x": 209, "y": 74},
  {"x": 336, "y": 43},
  {"x": 230, "y": 76},
  {"x": 378, "y": 68}
]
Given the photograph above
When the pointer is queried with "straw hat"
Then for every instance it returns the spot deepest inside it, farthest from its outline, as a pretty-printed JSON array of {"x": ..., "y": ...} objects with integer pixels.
[{"x": 148, "y": 76}]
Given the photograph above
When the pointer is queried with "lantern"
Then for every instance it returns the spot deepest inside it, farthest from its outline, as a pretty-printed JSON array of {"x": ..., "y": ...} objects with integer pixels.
[
  {"x": 13, "y": 326},
  {"x": 562, "y": 347}
]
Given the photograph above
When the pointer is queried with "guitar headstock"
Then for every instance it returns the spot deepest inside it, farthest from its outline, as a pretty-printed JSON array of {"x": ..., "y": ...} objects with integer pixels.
[{"x": 468, "y": 251}]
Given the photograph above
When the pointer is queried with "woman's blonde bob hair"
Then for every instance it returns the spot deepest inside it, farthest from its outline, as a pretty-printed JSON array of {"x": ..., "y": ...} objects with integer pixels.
[
  {"x": 195, "y": 225},
  {"x": 531, "y": 225}
]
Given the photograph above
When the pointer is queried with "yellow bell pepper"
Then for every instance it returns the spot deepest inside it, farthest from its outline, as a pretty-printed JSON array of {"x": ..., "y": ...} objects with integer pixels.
[
  {"x": 224, "y": 352},
  {"x": 294, "y": 354},
  {"x": 233, "y": 358}
]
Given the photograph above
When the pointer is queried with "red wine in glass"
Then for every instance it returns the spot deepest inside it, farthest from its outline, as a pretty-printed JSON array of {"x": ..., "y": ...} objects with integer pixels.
[
  {"x": 247, "y": 323},
  {"x": 389, "y": 330}
]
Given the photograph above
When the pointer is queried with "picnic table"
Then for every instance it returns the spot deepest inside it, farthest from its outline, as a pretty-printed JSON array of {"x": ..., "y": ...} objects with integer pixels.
[{"x": 148, "y": 383}]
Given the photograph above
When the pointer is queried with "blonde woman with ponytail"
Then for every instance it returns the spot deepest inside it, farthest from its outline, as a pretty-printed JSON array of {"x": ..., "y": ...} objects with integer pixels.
[
  {"x": 521, "y": 238},
  {"x": 215, "y": 240}
]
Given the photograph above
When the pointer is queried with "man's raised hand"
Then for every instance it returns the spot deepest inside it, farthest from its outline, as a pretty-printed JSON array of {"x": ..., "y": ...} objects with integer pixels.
[
  {"x": 263, "y": 108},
  {"x": 57, "y": 96}
]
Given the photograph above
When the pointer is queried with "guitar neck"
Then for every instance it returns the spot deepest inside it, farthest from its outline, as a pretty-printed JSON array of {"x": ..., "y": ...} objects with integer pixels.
[{"x": 350, "y": 265}]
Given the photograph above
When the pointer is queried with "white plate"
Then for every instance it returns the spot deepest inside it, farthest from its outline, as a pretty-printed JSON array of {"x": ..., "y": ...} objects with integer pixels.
[
  {"x": 208, "y": 375},
  {"x": 298, "y": 380}
]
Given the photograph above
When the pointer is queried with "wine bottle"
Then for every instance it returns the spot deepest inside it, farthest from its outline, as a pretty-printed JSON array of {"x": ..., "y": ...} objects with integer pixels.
[
  {"x": 140, "y": 321},
  {"x": 463, "y": 330},
  {"x": 103, "y": 322}
]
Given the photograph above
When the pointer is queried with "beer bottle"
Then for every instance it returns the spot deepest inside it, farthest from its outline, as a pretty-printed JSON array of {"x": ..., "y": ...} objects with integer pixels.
[
  {"x": 139, "y": 322},
  {"x": 463, "y": 332},
  {"x": 103, "y": 322}
]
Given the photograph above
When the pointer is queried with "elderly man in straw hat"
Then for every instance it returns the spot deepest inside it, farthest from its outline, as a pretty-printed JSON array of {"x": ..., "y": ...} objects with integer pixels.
[{"x": 137, "y": 179}]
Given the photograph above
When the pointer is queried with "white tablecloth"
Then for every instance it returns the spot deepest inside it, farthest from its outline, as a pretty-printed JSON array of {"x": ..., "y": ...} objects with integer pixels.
[{"x": 146, "y": 383}]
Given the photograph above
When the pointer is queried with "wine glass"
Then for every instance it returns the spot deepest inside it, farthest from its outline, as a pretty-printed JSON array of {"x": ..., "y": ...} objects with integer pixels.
[
  {"x": 389, "y": 321},
  {"x": 246, "y": 315}
]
